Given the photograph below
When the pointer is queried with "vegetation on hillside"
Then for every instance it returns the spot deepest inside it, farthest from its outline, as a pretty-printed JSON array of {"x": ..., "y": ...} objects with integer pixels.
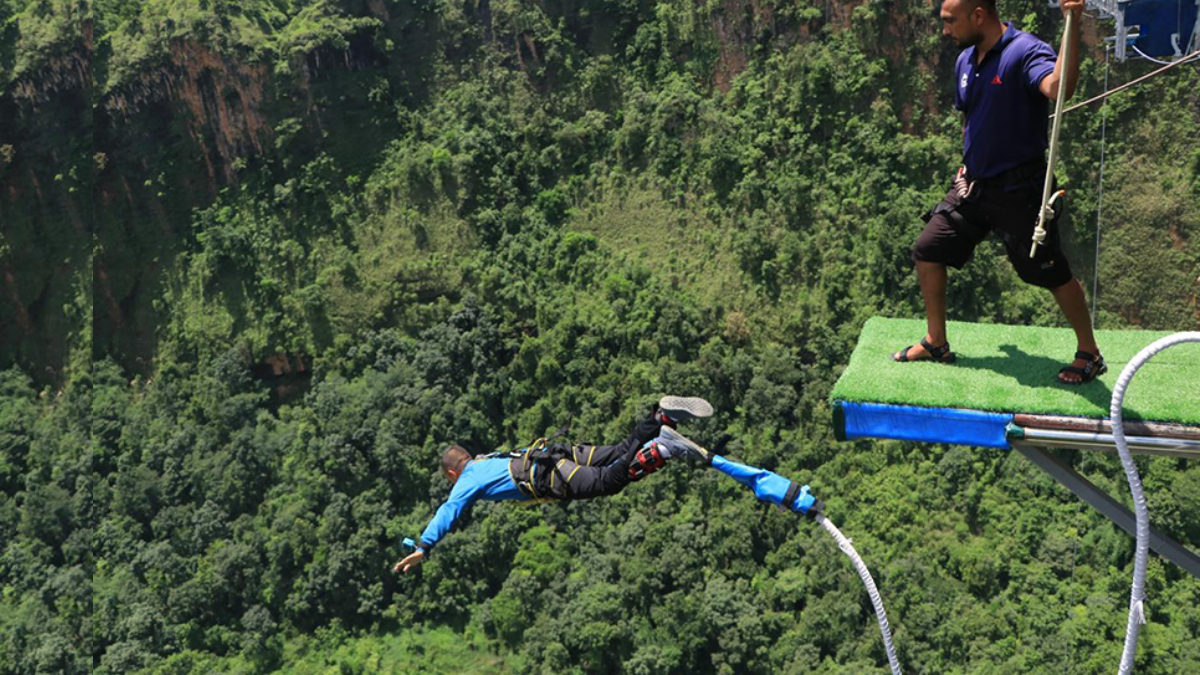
[{"x": 469, "y": 220}]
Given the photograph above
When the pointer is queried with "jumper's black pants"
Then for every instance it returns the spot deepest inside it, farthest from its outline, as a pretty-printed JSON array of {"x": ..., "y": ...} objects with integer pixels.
[{"x": 586, "y": 471}]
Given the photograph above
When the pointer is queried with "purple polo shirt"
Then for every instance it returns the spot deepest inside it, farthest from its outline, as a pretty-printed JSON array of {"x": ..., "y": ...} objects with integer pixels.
[{"x": 1006, "y": 114}]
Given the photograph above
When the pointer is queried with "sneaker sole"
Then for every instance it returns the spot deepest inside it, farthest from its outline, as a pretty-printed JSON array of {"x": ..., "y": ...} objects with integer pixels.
[{"x": 682, "y": 408}]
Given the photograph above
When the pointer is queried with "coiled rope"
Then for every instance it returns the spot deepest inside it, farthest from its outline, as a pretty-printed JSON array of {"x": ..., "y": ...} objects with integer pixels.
[
  {"x": 865, "y": 575},
  {"x": 1137, "y": 596},
  {"x": 1046, "y": 213}
]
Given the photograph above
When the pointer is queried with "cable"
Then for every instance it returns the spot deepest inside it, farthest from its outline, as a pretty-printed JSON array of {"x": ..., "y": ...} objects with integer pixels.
[
  {"x": 1133, "y": 82},
  {"x": 1137, "y": 596},
  {"x": 1149, "y": 58},
  {"x": 1099, "y": 202},
  {"x": 865, "y": 575}
]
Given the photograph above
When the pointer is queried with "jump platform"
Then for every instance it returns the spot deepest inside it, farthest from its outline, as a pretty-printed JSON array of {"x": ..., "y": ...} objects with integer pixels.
[
  {"x": 1002, "y": 392},
  {"x": 1003, "y": 388}
]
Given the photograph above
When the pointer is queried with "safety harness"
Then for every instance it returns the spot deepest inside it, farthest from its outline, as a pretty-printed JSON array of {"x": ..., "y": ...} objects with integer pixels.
[
  {"x": 968, "y": 189},
  {"x": 538, "y": 453}
]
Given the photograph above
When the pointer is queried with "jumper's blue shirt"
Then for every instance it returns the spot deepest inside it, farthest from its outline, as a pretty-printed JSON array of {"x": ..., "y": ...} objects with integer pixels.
[
  {"x": 1006, "y": 114},
  {"x": 487, "y": 479}
]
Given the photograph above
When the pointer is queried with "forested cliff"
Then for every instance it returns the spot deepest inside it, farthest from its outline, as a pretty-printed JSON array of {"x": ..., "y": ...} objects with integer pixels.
[{"x": 260, "y": 261}]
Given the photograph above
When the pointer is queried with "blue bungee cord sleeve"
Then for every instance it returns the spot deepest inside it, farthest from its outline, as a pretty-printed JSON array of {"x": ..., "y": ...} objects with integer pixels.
[{"x": 769, "y": 486}]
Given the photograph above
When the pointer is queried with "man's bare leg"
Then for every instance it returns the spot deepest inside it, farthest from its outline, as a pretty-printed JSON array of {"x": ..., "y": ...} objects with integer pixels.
[
  {"x": 932, "y": 277},
  {"x": 1073, "y": 302}
]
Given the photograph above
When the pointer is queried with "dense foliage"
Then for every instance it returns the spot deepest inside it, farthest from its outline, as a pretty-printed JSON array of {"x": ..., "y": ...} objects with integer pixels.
[{"x": 466, "y": 221}]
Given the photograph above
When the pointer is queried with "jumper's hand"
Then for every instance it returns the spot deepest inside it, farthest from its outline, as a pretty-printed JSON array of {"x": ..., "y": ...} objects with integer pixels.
[
  {"x": 1072, "y": 7},
  {"x": 412, "y": 560}
]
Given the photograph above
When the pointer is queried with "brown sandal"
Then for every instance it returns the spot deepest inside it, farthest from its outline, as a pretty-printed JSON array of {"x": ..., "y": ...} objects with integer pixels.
[{"x": 1095, "y": 368}]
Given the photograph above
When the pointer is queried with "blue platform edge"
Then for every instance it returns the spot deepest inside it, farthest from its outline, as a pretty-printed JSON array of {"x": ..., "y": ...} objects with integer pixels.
[{"x": 854, "y": 419}]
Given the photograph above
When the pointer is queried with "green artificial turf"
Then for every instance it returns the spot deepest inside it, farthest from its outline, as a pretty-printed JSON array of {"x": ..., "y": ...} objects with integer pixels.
[{"x": 1013, "y": 369}]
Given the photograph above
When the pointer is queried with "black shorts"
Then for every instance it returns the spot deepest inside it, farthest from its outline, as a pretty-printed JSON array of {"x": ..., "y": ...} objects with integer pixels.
[{"x": 955, "y": 227}]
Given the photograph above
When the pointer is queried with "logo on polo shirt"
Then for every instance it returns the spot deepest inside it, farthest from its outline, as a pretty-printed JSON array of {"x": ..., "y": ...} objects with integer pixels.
[
  {"x": 963, "y": 84},
  {"x": 996, "y": 79}
]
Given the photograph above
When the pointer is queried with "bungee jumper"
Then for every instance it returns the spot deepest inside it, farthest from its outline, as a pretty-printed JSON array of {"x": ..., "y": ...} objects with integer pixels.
[
  {"x": 1004, "y": 81},
  {"x": 547, "y": 471},
  {"x": 560, "y": 472}
]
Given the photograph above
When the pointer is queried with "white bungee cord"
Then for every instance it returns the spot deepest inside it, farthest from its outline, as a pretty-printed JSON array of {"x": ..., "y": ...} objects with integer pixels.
[
  {"x": 865, "y": 575},
  {"x": 1137, "y": 596},
  {"x": 772, "y": 488}
]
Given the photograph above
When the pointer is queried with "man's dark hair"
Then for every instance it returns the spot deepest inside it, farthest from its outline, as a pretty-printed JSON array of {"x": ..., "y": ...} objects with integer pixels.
[
  {"x": 454, "y": 457},
  {"x": 988, "y": 5}
]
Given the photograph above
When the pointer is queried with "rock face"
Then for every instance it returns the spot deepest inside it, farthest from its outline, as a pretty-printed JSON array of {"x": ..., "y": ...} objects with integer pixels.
[
  {"x": 46, "y": 168},
  {"x": 172, "y": 137},
  {"x": 99, "y": 180},
  {"x": 220, "y": 100}
]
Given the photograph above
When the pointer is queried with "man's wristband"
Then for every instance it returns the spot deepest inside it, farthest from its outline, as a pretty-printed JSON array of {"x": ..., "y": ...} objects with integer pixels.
[{"x": 417, "y": 545}]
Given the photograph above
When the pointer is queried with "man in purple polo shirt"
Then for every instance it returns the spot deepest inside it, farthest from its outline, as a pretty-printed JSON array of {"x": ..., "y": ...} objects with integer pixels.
[{"x": 1004, "y": 81}]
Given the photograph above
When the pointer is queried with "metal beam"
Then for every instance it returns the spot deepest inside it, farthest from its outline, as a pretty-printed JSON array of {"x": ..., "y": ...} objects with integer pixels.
[
  {"x": 1104, "y": 426},
  {"x": 1082, "y": 440},
  {"x": 1160, "y": 543}
]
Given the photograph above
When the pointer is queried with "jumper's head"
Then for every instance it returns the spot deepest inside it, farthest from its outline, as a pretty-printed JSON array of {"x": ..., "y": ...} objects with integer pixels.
[
  {"x": 963, "y": 21},
  {"x": 454, "y": 460}
]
